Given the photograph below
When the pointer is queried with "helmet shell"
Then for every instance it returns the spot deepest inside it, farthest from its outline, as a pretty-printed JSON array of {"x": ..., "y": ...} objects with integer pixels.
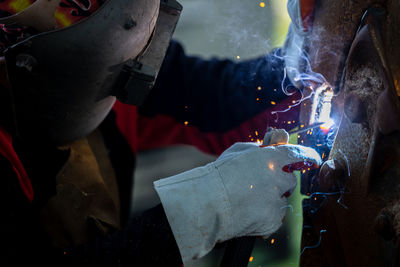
[{"x": 62, "y": 80}]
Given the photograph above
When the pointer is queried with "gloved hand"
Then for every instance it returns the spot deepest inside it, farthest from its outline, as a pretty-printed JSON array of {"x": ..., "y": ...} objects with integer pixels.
[{"x": 242, "y": 193}]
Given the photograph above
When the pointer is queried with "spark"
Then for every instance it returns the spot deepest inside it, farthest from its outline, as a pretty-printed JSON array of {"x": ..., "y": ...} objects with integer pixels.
[
  {"x": 262, "y": 4},
  {"x": 251, "y": 186},
  {"x": 271, "y": 166},
  {"x": 238, "y": 57},
  {"x": 273, "y": 102},
  {"x": 259, "y": 88},
  {"x": 272, "y": 241},
  {"x": 256, "y": 132},
  {"x": 186, "y": 123}
]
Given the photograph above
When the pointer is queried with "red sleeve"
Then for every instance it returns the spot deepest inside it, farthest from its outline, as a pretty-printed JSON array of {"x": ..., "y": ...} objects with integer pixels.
[
  {"x": 7, "y": 150},
  {"x": 163, "y": 130}
]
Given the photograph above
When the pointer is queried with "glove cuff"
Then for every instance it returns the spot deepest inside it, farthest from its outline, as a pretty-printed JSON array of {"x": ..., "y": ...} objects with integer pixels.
[{"x": 198, "y": 210}]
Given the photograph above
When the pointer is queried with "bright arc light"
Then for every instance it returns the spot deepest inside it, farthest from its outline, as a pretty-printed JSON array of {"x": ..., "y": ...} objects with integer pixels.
[
  {"x": 321, "y": 107},
  {"x": 327, "y": 125}
]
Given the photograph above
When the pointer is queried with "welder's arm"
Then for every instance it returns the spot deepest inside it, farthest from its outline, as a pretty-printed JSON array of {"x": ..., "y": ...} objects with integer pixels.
[
  {"x": 215, "y": 95},
  {"x": 242, "y": 193}
]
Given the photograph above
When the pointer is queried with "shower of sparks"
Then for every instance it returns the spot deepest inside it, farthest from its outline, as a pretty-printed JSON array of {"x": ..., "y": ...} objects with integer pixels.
[
  {"x": 316, "y": 245},
  {"x": 308, "y": 79},
  {"x": 295, "y": 102}
]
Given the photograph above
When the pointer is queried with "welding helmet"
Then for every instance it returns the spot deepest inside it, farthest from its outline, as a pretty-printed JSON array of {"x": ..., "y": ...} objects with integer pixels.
[{"x": 63, "y": 82}]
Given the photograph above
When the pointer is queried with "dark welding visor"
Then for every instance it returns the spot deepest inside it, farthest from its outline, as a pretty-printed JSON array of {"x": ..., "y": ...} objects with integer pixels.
[{"x": 64, "y": 82}]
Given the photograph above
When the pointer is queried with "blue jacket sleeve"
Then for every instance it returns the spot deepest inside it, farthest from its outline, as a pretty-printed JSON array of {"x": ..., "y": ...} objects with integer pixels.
[{"x": 215, "y": 95}]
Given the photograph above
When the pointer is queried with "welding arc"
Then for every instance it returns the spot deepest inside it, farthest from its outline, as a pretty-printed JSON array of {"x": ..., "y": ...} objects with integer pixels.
[{"x": 312, "y": 126}]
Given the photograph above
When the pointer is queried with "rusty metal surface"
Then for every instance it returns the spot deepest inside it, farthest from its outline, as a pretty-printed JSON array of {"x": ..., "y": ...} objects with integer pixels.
[{"x": 354, "y": 218}]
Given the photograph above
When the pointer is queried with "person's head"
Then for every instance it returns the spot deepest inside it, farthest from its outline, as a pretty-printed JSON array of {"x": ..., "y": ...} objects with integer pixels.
[{"x": 76, "y": 56}]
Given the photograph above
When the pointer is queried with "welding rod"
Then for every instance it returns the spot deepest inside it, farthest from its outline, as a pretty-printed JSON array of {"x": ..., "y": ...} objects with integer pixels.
[{"x": 312, "y": 126}]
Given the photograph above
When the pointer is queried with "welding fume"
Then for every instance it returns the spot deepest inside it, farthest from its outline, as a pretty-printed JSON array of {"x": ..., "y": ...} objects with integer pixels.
[{"x": 87, "y": 84}]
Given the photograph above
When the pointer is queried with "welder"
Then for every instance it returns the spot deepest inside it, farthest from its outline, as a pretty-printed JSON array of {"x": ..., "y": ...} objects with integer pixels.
[{"x": 68, "y": 147}]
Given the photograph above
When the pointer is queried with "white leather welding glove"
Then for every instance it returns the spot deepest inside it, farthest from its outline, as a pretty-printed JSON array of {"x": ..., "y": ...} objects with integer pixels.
[
  {"x": 295, "y": 58},
  {"x": 242, "y": 193}
]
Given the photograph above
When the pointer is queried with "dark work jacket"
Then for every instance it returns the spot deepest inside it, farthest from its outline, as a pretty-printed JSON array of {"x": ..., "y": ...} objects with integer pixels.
[{"x": 209, "y": 104}]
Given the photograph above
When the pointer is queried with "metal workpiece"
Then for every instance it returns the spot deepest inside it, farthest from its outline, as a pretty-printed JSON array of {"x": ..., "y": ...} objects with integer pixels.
[
  {"x": 355, "y": 109},
  {"x": 331, "y": 177},
  {"x": 354, "y": 198}
]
